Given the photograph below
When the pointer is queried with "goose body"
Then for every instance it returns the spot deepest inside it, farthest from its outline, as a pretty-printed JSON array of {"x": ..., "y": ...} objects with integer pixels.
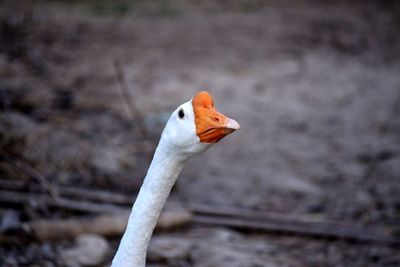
[{"x": 191, "y": 129}]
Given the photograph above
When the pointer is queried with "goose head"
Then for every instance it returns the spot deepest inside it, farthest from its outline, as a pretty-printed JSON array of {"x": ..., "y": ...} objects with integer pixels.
[{"x": 196, "y": 124}]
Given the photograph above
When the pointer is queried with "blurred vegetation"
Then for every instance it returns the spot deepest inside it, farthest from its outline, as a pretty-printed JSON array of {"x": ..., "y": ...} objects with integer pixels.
[
  {"x": 161, "y": 8},
  {"x": 122, "y": 7}
]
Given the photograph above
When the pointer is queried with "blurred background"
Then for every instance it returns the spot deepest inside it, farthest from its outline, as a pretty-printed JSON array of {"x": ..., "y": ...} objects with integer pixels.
[{"x": 85, "y": 90}]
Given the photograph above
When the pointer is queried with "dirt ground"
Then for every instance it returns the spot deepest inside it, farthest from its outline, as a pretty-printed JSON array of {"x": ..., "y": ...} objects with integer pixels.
[{"x": 315, "y": 87}]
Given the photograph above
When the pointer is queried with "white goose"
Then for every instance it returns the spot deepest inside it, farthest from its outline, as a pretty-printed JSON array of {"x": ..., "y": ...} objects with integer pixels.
[{"x": 192, "y": 127}]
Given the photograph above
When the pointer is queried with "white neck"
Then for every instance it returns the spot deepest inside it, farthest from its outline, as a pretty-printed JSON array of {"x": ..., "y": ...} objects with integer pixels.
[{"x": 161, "y": 176}]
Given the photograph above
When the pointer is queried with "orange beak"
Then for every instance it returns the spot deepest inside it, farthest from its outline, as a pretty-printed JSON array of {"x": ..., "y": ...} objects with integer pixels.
[{"x": 211, "y": 126}]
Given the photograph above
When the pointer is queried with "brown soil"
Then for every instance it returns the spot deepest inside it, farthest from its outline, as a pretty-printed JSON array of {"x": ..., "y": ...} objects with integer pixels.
[{"x": 314, "y": 86}]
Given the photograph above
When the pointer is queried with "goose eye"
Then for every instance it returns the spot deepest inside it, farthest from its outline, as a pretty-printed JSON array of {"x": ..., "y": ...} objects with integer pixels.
[{"x": 181, "y": 114}]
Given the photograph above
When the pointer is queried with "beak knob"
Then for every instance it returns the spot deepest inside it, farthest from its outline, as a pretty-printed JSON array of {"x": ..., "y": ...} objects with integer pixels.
[{"x": 211, "y": 126}]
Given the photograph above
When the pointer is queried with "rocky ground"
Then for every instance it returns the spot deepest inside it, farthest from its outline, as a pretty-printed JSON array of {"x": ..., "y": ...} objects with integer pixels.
[{"x": 314, "y": 86}]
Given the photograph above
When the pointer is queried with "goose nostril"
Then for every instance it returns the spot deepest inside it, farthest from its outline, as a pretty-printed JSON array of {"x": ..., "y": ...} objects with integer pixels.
[{"x": 216, "y": 119}]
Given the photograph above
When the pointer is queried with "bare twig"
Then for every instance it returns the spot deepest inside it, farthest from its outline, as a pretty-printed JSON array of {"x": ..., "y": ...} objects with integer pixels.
[
  {"x": 18, "y": 198},
  {"x": 35, "y": 174},
  {"x": 277, "y": 223},
  {"x": 70, "y": 192},
  {"x": 127, "y": 95}
]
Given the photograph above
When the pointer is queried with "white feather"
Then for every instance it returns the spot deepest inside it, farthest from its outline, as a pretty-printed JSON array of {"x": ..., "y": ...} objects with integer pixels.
[{"x": 177, "y": 143}]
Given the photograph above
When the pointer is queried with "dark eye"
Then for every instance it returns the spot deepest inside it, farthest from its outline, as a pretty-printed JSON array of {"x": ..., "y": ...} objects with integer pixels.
[{"x": 181, "y": 114}]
